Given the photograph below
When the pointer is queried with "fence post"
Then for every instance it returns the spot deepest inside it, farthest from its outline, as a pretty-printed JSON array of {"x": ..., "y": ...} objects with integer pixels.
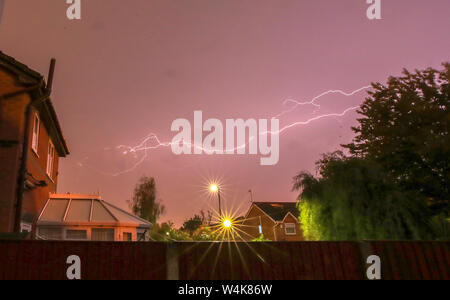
[
  {"x": 172, "y": 261},
  {"x": 365, "y": 250}
]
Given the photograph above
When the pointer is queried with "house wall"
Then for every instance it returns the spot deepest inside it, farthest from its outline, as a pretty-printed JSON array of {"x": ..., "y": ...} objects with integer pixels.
[
  {"x": 274, "y": 231},
  {"x": 35, "y": 199},
  {"x": 281, "y": 232},
  {"x": 251, "y": 224},
  {"x": 12, "y": 129}
]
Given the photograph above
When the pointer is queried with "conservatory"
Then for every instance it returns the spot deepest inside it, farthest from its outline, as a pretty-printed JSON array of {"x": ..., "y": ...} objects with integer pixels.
[{"x": 88, "y": 218}]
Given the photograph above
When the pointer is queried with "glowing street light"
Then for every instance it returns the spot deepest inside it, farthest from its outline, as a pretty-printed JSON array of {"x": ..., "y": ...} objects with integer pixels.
[
  {"x": 216, "y": 189},
  {"x": 213, "y": 188},
  {"x": 227, "y": 223}
]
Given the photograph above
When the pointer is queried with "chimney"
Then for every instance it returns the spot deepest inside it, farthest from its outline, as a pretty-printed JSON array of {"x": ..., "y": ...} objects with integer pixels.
[{"x": 51, "y": 73}]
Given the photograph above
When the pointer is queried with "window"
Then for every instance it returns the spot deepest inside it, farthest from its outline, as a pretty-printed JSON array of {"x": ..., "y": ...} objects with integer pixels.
[
  {"x": 100, "y": 234},
  {"x": 76, "y": 235},
  {"x": 35, "y": 139},
  {"x": 50, "y": 233},
  {"x": 260, "y": 229},
  {"x": 50, "y": 159},
  {"x": 141, "y": 235},
  {"x": 289, "y": 229},
  {"x": 127, "y": 237}
]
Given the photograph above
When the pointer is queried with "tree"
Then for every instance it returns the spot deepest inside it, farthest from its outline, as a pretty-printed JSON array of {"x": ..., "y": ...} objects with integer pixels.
[
  {"x": 144, "y": 203},
  {"x": 206, "y": 217},
  {"x": 395, "y": 183},
  {"x": 405, "y": 128},
  {"x": 192, "y": 224},
  {"x": 354, "y": 199}
]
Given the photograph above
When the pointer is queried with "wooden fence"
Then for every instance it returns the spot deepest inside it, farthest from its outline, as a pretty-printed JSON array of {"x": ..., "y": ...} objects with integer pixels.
[{"x": 223, "y": 261}]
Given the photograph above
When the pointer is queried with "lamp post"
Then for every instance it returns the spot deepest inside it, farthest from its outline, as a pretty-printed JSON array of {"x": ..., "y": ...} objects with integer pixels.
[{"x": 216, "y": 189}]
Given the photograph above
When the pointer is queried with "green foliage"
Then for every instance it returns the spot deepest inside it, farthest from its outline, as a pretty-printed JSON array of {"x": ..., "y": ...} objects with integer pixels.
[
  {"x": 354, "y": 199},
  {"x": 441, "y": 227},
  {"x": 311, "y": 216},
  {"x": 167, "y": 232},
  {"x": 192, "y": 224},
  {"x": 405, "y": 127},
  {"x": 205, "y": 233},
  {"x": 261, "y": 238},
  {"x": 395, "y": 183},
  {"x": 144, "y": 202},
  {"x": 195, "y": 223},
  {"x": 193, "y": 229}
]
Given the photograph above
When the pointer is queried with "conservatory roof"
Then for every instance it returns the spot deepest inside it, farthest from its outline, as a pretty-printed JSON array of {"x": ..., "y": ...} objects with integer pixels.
[{"x": 67, "y": 209}]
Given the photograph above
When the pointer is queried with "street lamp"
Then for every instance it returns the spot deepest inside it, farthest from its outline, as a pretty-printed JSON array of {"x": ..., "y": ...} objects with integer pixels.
[
  {"x": 227, "y": 223},
  {"x": 216, "y": 189}
]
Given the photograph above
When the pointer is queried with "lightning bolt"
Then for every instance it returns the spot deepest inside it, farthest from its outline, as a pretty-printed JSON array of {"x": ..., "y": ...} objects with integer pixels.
[
  {"x": 155, "y": 142},
  {"x": 313, "y": 100}
]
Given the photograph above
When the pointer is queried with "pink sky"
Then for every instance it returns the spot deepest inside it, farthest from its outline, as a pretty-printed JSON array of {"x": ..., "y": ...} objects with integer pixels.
[{"x": 129, "y": 68}]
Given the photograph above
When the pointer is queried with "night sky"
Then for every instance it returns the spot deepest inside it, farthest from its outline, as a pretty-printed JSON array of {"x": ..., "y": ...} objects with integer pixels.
[{"x": 129, "y": 68}]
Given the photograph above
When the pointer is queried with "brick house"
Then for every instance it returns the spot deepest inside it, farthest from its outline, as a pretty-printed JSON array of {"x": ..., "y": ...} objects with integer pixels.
[
  {"x": 277, "y": 221},
  {"x": 31, "y": 143}
]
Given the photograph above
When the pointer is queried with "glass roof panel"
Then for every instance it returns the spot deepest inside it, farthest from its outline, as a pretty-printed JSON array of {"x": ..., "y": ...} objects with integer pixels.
[
  {"x": 54, "y": 211},
  {"x": 100, "y": 214},
  {"x": 79, "y": 211}
]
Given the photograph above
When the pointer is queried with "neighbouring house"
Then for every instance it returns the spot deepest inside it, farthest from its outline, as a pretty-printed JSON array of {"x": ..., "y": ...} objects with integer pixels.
[
  {"x": 31, "y": 143},
  {"x": 88, "y": 217},
  {"x": 277, "y": 221}
]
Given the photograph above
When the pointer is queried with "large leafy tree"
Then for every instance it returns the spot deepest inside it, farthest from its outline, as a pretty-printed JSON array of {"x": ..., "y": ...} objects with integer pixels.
[
  {"x": 144, "y": 203},
  {"x": 395, "y": 182},
  {"x": 353, "y": 199},
  {"x": 405, "y": 128}
]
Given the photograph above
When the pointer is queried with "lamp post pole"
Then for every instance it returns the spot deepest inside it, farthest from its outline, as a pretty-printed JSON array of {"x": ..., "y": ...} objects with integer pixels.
[{"x": 218, "y": 195}]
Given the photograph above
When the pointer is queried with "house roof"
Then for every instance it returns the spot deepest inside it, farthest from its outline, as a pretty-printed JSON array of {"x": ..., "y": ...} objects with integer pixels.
[
  {"x": 278, "y": 210},
  {"x": 75, "y": 209},
  {"x": 29, "y": 78}
]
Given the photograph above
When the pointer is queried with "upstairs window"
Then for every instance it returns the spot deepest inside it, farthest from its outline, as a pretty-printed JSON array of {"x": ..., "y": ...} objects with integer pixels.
[
  {"x": 289, "y": 229},
  {"x": 50, "y": 159},
  {"x": 35, "y": 139}
]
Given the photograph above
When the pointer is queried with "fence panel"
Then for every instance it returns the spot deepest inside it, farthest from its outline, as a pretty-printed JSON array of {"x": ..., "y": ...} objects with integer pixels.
[{"x": 223, "y": 261}]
